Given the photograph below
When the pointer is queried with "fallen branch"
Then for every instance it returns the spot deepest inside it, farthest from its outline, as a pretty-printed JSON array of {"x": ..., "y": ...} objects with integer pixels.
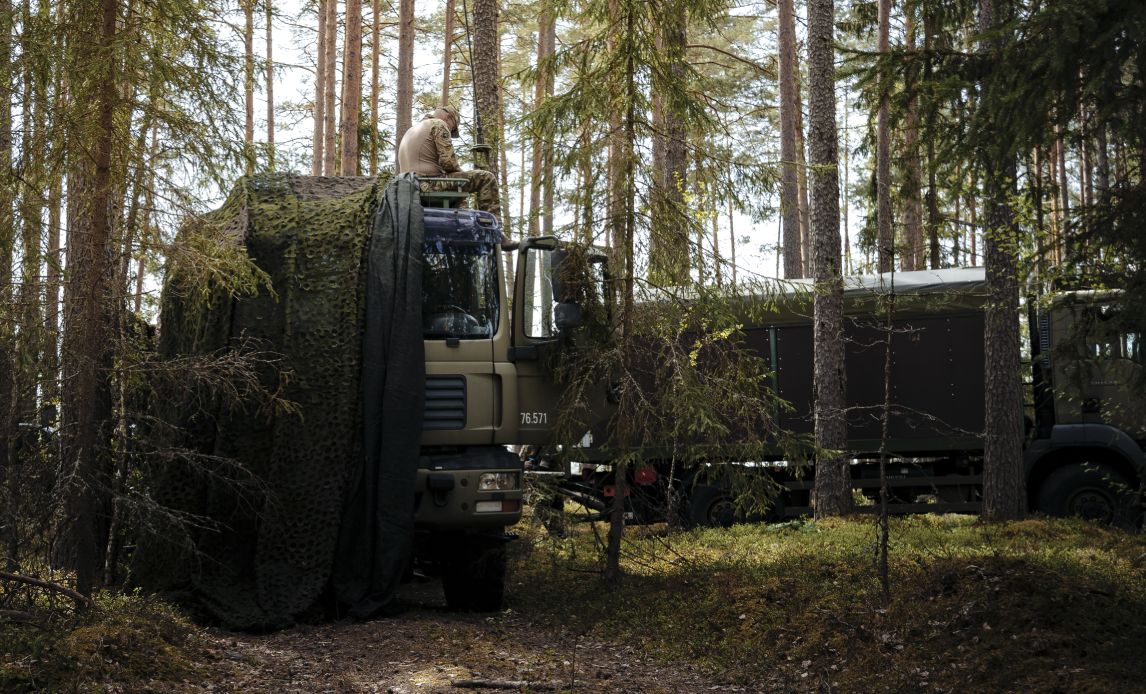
[
  {"x": 79, "y": 599},
  {"x": 20, "y": 617},
  {"x": 503, "y": 684}
]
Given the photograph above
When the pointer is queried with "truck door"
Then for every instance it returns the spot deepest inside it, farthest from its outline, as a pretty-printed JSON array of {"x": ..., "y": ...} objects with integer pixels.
[{"x": 535, "y": 337}]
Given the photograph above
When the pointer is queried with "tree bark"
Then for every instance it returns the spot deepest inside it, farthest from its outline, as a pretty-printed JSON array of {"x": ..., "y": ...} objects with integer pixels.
[
  {"x": 487, "y": 99},
  {"x": 8, "y": 433},
  {"x": 405, "y": 104},
  {"x": 249, "y": 84},
  {"x": 447, "y": 51},
  {"x": 833, "y": 483},
  {"x": 548, "y": 180},
  {"x": 1004, "y": 487},
  {"x": 912, "y": 255},
  {"x": 789, "y": 164},
  {"x": 806, "y": 254},
  {"x": 537, "y": 145},
  {"x": 86, "y": 334},
  {"x": 319, "y": 92},
  {"x": 270, "y": 86},
  {"x": 375, "y": 64},
  {"x": 351, "y": 87},
  {"x": 672, "y": 243},
  {"x": 329, "y": 131},
  {"x": 885, "y": 239}
]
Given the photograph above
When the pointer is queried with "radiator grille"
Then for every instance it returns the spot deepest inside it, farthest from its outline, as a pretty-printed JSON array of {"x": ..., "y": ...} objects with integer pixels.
[{"x": 445, "y": 403}]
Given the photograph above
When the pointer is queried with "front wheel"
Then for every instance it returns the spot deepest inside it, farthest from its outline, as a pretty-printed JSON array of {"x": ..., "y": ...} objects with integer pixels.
[
  {"x": 473, "y": 575},
  {"x": 1093, "y": 491}
]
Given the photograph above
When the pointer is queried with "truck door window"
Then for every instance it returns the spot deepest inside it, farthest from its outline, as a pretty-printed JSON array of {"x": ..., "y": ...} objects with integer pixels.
[
  {"x": 538, "y": 304},
  {"x": 459, "y": 290}
]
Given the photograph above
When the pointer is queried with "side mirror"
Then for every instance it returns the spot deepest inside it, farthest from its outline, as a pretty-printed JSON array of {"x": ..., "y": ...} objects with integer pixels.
[{"x": 567, "y": 315}]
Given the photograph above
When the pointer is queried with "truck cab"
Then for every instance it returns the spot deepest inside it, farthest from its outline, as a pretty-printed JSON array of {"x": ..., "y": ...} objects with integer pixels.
[{"x": 488, "y": 386}]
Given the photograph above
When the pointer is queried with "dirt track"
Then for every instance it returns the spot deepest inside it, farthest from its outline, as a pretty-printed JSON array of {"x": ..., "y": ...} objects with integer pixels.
[{"x": 429, "y": 649}]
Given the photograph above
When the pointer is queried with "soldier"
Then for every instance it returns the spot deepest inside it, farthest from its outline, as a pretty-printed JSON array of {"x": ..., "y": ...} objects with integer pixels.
[{"x": 427, "y": 151}]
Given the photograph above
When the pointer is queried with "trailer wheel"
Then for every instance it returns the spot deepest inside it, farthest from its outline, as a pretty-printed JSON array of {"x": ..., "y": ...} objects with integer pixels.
[
  {"x": 711, "y": 507},
  {"x": 1093, "y": 491},
  {"x": 473, "y": 578}
]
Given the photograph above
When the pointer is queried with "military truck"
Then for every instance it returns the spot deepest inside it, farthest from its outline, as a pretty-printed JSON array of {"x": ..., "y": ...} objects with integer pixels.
[
  {"x": 1085, "y": 420},
  {"x": 363, "y": 290}
]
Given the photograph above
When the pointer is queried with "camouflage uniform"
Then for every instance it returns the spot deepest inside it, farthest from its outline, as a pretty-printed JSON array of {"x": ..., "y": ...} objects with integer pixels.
[{"x": 427, "y": 151}]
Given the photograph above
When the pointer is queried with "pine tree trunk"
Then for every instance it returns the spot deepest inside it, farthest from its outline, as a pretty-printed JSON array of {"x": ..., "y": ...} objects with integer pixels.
[
  {"x": 351, "y": 87},
  {"x": 1004, "y": 485},
  {"x": 487, "y": 99},
  {"x": 833, "y": 483},
  {"x": 329, "y": 127},
  {"x": 405, "y": 103},
  {"x": 789, "y": 164},
  {"x": 673, "y": 244},
  {"x": 912, "y": 258},
  {"x": 249, "y": 84},
  {"x": 549, "y": 182},
  {"x": 86, "y": 336},
  {"x": 8, "y": 432},
  {"x": 807, "y": 261},
  {"x": 1062, "y": 244},
  {"x": 375, "y": 66},
  {"x": 447, "y": 51},
  {"x": 537, "y": 144},
  {"x": 319, "y": 92},
  {"x": 270, "y": 86},
  {"x": 885, "y": 240}
]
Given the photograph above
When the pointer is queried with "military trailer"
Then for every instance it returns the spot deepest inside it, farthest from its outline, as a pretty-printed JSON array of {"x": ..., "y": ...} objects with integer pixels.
[{"x": 1085, "y": 424}]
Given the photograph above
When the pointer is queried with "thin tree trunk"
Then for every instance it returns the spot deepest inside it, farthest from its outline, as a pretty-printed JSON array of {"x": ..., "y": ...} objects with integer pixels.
[
  {"x": 249, "y": 84},
  {"x": 807, "y": 261},
  {"x": 537, "y": 142},
  {"x": 375, "y": 64},
  {"x": 912, "y": 258},
  {"x": 885, "y": 239},
  {"x": 932, "y": 165},
  {"x": 270, "y": 86},
  {"x": 1062, "y": 244},
  {"x": 732, "y": 238},
  {"x": 319, "y": 92},
  {"x": 9, "y": 535},
  {"x": 1004, "y": 493},
  {"x": 832, "y": 483},
  {"x": 548, "y": 180},
  {"x": 351, "y": 87},
  {"x": 405, "y": 104},
  {"x": 447, "y": 51},
  {"x": 329, "y": 127},
  {"x": 672, "y": 243},
  {"x": 1102, "y": 173},
  {"x": 789, "y": 162}
]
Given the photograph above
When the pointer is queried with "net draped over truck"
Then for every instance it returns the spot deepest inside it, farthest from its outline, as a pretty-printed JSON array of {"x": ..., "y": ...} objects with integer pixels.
[{"x": 288, "y": 510}]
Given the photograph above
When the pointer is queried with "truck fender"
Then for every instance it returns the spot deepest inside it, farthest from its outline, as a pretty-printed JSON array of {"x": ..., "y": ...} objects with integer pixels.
[{"x": 1093, "y": 436}]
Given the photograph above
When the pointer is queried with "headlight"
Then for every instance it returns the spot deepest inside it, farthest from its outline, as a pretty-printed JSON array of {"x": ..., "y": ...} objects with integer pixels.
[{"x": 497, "y": 481}]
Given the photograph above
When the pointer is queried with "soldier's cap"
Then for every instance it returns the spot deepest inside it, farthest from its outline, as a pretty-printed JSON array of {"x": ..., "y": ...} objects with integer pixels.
[{"x": 454, "y": 117}]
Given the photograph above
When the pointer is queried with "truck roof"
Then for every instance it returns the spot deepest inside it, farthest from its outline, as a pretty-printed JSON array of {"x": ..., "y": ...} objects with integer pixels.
[{"x": 920, "y": 291}]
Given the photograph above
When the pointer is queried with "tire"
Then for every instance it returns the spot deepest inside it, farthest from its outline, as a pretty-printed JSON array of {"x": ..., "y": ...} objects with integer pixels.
[
  {"x": 473, "y": 577},
  {"x": 1093, "y": 491},
  {"x": 711, "y": 507}
]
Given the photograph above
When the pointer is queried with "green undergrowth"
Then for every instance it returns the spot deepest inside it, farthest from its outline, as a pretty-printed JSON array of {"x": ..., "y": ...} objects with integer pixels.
[
  {"x": 1038, "y": 605},
  {"x": 122, "y": 643}
]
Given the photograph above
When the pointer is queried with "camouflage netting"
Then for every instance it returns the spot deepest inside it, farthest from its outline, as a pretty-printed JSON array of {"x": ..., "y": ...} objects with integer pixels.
[{"x": 268, "y": 492}]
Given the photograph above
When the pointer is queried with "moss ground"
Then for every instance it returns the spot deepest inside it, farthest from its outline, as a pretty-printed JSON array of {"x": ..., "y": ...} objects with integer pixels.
[{"x": 1040, "y": 605}]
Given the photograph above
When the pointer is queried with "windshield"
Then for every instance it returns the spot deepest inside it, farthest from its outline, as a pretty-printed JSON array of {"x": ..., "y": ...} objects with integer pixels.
[{"x": 459, "y": 290}]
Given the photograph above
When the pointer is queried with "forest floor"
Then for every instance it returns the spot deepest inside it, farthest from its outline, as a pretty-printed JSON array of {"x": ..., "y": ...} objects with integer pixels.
[
  {"x": 1042, "y": 605},
  {"x": 428, "y": 649}
]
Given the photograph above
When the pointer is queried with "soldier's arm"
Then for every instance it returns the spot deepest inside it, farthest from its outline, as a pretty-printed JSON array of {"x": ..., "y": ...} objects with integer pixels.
[{"x": 446, "y": 157}]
